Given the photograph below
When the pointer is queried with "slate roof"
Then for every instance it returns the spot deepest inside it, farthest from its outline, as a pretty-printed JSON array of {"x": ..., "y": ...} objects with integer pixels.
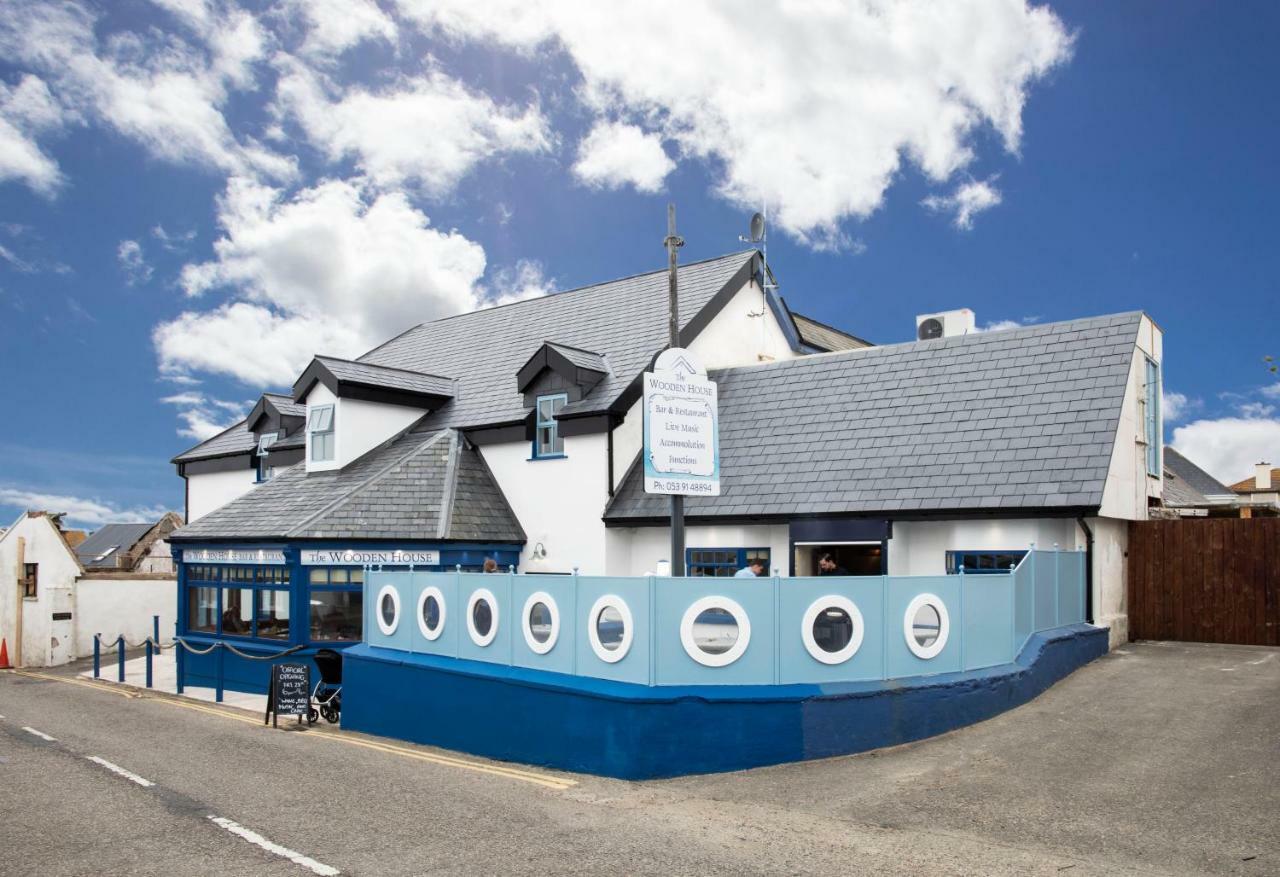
[
  {"x": 394, "y": 378},
  {"x": 421, "y": 485},
  {"x": 623, "y": 320},
  {"x": 1019, "y": 419},
  {"x": 121, "y": 536},
  {"x": 581, "y": 358},
  {"x": 824, "y": 337},
  {"x": 235, "y": 439},
  {"x": 1197, "y": 481},
  {"x": 286, "y": 406}
]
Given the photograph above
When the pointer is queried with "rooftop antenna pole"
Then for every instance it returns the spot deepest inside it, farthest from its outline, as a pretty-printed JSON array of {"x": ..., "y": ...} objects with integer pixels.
[{"x": 673, "y": 243}]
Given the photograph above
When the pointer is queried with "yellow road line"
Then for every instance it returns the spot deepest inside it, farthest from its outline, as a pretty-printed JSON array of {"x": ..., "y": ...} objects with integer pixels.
[
  {"x": 96, "y": 686},
  {"x": 511, "y": 773}
]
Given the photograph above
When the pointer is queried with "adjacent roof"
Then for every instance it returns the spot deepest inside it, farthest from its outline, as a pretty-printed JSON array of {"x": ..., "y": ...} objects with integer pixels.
[
  {"x": 1190, "y": 481},
  {"x": 820, "y": 336},
  {"x": 582, "y": 367},
  {"x": 120, "y": 537},
  {"x": 427, "y": 485},
  {"x": 1249, "y": 485},
  {"x": 1018, "y": 419},
  {"x": 343, "y": 375},
  {"x": 624, "y": 321}
]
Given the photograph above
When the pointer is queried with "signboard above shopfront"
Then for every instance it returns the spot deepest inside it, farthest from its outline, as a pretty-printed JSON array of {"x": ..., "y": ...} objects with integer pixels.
[
  {"x": 264, "y": 556},
  {"x": 370, "y": 557},
  {"x": 681, "y": 428}
]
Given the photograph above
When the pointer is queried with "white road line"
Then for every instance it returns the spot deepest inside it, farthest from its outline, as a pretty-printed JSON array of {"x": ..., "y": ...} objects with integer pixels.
[
  {"x": 258, "y": 840},
  {"x": 115, "y": 768},
  {"x": 41, "y": 734}
]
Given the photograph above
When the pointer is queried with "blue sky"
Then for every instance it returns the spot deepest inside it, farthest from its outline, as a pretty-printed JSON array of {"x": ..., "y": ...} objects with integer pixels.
[{"x": 195, "y": 196}]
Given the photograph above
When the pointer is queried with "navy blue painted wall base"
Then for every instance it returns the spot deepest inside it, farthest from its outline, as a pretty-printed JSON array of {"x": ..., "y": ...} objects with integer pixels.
[{"x": 638, "y": 732}]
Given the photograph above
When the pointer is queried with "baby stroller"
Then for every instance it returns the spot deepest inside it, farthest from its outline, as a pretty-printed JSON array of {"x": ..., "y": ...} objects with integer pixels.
[{"x": 328, "y": 691}]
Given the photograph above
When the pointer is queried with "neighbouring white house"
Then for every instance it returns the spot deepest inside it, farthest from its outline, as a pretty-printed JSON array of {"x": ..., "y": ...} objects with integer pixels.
[
  {"x": 514, "y": 433},
  {"x": 59, "y": 587}
]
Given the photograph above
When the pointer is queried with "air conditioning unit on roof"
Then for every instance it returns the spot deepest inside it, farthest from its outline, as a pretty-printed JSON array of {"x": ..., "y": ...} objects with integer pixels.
[{"x": 945, "y": 324}]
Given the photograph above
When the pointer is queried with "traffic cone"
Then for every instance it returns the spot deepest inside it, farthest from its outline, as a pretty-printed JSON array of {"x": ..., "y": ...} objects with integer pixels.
[{"x": 4, "y": 655}]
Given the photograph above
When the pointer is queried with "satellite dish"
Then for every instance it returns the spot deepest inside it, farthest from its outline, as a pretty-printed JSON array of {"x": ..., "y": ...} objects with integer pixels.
[
  {"x": 929, "y": 329},
  {"x": 757, "y": 228}
]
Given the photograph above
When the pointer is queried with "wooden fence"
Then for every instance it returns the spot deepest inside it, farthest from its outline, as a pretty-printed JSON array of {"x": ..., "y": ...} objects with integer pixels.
[{"x": 1213, "y": 580}]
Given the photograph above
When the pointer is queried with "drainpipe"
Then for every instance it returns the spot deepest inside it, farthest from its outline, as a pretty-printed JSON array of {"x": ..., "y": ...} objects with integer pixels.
[
  {"x": 1088, "y": 569},
  {"x": 609, "y": 454}
]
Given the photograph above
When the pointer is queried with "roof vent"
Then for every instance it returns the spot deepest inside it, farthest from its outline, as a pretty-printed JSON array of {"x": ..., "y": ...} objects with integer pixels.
[{"x": 945, "y": 324}]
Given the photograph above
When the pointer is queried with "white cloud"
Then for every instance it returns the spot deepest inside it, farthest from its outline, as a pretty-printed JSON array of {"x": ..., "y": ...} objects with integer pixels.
[
  {"x": 968, "y": 200},
  {"x": 16, "y": 262},
  {"x": 1000, "y": 326},
  {"x": 79, "y": 510},
  {"x": 809, "y": 106},
  {"x": 159, "y": 89},
  {"x": 133, "y": 263},
  {"x": 428, "y": 130},
  {"x": 28, "y": 110},
  {"x": 333, "y": 26},
  {"x": 614, "y": 155},
  {"x": 1227, "y": 448},
  {"x": 1272, "y": 391},
  {"x": 173, "y": 241},
  {"x": 202, "y": 416},
  {"x": 526, "y": 279},
  {"x": 1176, "y": 406},
  {"x": 332, "y": 269}
]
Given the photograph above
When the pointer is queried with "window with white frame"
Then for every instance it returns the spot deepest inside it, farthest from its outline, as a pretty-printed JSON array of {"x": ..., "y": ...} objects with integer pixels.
[
  {"x": 264, "y": 442},
  {"x": 547, "y": 441},
  {"x": 320, "y": 427},
  {"x": 1152, "y": 418}
]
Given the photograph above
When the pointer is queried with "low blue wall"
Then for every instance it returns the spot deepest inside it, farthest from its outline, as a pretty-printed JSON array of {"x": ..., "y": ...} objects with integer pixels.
[
  {"x": 636, "y": 731},
  {"x": 242, "y": 674}
]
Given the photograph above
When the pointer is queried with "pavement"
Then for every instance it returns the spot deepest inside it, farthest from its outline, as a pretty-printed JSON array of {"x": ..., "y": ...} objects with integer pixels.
[
  {"x": 1159, "y": 758},
  {"x": 164, "y": 678}
]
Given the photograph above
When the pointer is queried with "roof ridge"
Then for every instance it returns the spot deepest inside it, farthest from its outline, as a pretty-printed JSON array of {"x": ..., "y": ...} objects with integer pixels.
[
  {"x": 391, "y": 368},
  {"x": 242, "y": 422},
  {"x": 350, "y": 494},
  {"x": 578, "y": 349}
]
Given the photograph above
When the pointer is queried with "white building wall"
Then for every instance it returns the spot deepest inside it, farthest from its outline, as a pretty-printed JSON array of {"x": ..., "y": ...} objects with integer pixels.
[
  {"x": 1128, "y": 484},
  {"x": 358, "y": 426},
  {"x": 919, "y": 548},
  {"x": 649, "y": 545},
  {"x": 123, "y": 607},
  {"x": 212, "y": 490},
  {"x": 1110, "y": 578},
  {"x": 44, "y": 642}
]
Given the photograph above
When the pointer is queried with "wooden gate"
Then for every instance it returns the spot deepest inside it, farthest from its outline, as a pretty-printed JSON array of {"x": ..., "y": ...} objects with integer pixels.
[{"x": 1214, "y": 580}]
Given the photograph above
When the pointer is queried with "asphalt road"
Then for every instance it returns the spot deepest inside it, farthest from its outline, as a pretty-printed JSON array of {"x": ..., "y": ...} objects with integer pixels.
[{"x": 1158, "y": 759}]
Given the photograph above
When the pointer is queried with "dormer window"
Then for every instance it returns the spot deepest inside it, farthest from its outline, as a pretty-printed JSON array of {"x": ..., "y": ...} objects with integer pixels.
[
  {"x": 547, "y": 441},
  {"x": 320, "y": 427},
  {"x": 264, "y": 443}
]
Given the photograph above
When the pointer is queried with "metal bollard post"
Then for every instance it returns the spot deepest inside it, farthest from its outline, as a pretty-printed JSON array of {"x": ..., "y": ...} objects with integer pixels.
[
  {"x": 120, "y": 656},
  {"x": 179, "y": 660},
  {"x": 217, "y": 693},
  {"x": 155, "y": 630},
  {"x": 97, "y": 656},
  {"x": 149, "y": 664}
]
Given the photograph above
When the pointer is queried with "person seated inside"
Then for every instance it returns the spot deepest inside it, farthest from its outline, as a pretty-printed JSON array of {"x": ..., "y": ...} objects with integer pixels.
[
  {"x": 827, "y": 566},
  {"x": 754, "y": 568}
]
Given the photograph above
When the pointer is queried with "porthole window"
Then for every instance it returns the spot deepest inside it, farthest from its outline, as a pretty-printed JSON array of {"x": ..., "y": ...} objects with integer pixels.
[
  {"x": 926, "y": 626},
  {"x": 388, "y": 615},
  {"x": 431, "y": 612},
  {"x": 715, "y": 631},
  {"x": 541, "y": 622},
  {"x": 482, "y": 617},
  {"x": 609, "y": 628},
  {"x": 832, "y": 629}
]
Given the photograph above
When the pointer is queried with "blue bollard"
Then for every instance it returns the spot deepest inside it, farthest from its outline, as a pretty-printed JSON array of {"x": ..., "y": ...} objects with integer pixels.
[
  {"x": 120, "y": 656},
  {"x": 180, "y": 662},
  {"x": 155, "y": 630},
  {"x": 217, "y": 694},
  {"x": 97, "y": 656},
  {"x": 148, "y": 663}
]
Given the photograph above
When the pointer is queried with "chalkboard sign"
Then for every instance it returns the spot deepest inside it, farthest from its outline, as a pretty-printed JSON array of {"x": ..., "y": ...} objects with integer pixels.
[{"x": 290, "y": 691}]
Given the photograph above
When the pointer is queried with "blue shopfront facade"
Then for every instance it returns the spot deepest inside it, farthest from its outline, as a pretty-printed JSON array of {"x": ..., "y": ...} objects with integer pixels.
[{"x": 269, "y": 597}]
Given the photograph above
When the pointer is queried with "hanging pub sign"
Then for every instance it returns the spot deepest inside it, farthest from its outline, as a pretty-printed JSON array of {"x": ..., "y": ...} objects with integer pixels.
[{"x": 681, "y": 428}]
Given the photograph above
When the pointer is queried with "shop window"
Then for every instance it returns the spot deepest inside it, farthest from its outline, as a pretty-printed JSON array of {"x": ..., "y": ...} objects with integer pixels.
[
  {"x": 273, "y": 614},
  {"x": 547, "y": 441},
  {"x": 722, "y": 562},
  {"x": 336, "y": 575},
  {"x": 202, "y": 610},
  {"x": 336, "y": 615},
  {"x": 320, "y": 428},
  {"x": 237, "y": 611},
  {"x": 983, "y": 562},
  {"x": 30, "y": 581}
]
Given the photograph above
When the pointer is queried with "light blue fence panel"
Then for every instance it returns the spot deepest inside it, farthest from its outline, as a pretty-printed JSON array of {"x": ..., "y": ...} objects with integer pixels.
[
  {"x": 400, "y": 586},
  {"x": 1070, "y": 587},
  {"x": 899, "y": 659},
  {"x": 505, "y": 616},
  {"x": 562, "y": 590},
  {"x": 447, "y": 642},
  {"x": 755, "y": 596},
  {"x": 797, "y": 595},
  {"x": 1045, "y": 572},
  {"x": 634, "y": 592},
  {"x": 1024, "y": 620},
  {"x": 988, "y": 620}
]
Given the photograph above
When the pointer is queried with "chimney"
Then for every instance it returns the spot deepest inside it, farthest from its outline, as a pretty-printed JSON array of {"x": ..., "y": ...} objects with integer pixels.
[{"x": 1262, "y": 476}]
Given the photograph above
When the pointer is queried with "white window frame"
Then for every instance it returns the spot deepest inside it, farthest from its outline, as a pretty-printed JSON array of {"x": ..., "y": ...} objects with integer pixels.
[
  {"x": 816, "y": 608},
  {"x": 387, "y": 629},
  {"x": 530, "y": 640},
  {"x": 934, "y": 649},
  {"x": 265, "y": 441},
  {"x": 315, "y": 415},
  {"x": 610, "y": 656},
  {"x": 740, "y": 617},
  {"x": 482, "y": 640},
  {"x": 431, "y": 633},
  {"x": 553, "y": 424}
]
